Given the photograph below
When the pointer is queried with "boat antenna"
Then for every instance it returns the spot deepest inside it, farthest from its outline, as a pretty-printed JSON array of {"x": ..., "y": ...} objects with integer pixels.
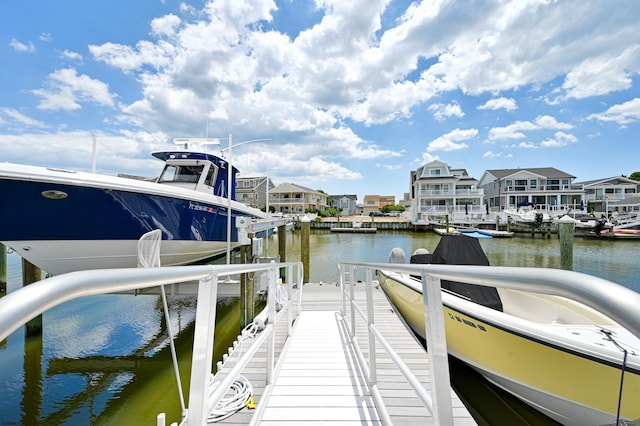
[{"x": 93, "y": 155}]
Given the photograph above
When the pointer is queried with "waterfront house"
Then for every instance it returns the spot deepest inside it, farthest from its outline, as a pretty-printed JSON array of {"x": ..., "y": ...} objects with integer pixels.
[
  {"x": 614, "y": 194},
  {"x": 438, "y": 190},
  {"x": 289, "y": 198},
  {"x": 252, "y": 191},
  {"x": 373, "y": 203},
  {"x": 345, "y": 204},
  {"x": 549, "y": 189}
]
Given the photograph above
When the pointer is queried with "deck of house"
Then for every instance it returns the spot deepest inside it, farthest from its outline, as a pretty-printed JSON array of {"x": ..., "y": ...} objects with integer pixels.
[{"x": 318, "y": 378}]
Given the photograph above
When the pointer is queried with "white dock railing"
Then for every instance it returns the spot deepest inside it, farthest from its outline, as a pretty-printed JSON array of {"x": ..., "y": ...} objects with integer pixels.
[
  {"x": 20, "y": 306},
  {"x": 617, "y": 302}
]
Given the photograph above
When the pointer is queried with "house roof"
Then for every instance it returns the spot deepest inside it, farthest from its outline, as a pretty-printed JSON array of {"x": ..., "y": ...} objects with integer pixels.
[
  {"x": 292, "y": 187},
  {"x": 548, "y": 172},
  {"x": 610, "y": 180}
]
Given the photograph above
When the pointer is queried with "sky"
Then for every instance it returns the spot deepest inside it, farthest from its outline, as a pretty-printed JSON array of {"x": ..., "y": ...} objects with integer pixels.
[{"x": 344, "y": 96}]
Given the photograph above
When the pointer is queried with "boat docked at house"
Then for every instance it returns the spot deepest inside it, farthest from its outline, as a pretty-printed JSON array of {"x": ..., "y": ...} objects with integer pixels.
[
  {"x": 627, "y": 231},
  {"x": 63, "y": 220},
  {"x": 526, "y": 215},
  {"x": 569, "y": 361}
]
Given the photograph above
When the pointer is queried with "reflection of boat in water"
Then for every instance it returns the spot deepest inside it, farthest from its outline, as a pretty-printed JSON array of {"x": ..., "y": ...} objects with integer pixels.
[
  {"x": 64, "y": 221},
  {"x": 564, "y": 358}
]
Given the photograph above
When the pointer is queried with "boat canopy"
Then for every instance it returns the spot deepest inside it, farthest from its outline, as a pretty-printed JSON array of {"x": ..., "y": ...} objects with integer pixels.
[{"x": 463, "y": 250}]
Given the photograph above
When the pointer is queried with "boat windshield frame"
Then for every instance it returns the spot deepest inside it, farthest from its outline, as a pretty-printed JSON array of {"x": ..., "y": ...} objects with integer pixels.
[{"x": 199, "y": 175}]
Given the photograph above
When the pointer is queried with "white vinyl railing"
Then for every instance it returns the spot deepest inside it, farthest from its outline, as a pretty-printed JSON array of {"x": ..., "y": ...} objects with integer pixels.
[
  {"x": 617, "y": 302},
  {"x": 20, "y": 306}
]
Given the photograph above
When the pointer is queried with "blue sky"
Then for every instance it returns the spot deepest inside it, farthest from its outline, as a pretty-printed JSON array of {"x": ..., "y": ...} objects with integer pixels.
[{"x": 351, "y": 95}]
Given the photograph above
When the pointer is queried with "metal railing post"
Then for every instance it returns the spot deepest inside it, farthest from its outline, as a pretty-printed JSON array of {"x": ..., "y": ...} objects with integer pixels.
[
  {"x": 343, "y": 302},
  {"x": 373, "y": 376},
  {"x": 437, "y": 350},
  {"x": 202, "y": 350},
  {"x": 271, "y": 309},
  {"x": 352, "y": 302},
  {"x": 290, "y": 280}
]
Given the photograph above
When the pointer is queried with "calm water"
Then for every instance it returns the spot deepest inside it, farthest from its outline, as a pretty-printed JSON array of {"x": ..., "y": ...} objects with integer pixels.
[{"x": 105, "y": 359}]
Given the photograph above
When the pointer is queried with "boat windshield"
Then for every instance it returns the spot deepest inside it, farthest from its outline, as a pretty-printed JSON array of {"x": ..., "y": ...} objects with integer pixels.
[{"x": 176, "y": 173}]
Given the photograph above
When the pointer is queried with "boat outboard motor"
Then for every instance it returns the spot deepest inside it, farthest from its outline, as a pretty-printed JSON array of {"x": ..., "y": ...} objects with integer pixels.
[
  {"x": 397, "y": 256},
  {"x": 463, "y": 250},
  {"x": 599, "y": 226},
  {"x": 420, "y": 256},
  {"x": 538, "y": 220}
]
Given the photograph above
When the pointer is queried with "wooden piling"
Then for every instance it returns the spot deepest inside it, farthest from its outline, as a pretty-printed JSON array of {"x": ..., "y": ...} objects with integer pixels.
[
  {"x": 282, "y": 248},
  {"x": 250, "y": 295},
  {"x": 305, "y": 224},
  {"x": 243, "y": 288},
  {"x": 566, "y": 231},
  {"x": 32, "y": 274}
]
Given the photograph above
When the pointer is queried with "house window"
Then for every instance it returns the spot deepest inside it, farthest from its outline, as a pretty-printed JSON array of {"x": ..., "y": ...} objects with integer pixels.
[
  {"x": 435, "y": 172},
  {"x": 533, "y": 183}
]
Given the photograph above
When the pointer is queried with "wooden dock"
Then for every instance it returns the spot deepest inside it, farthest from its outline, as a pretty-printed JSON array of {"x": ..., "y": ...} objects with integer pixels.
[{"x": 318, "y": 379}]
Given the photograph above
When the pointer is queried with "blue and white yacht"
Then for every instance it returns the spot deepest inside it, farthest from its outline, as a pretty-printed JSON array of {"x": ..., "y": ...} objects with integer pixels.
[{"x": 63, "y": 220}]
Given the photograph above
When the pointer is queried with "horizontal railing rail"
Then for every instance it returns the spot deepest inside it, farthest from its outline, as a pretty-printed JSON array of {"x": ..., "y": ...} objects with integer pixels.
[
  {"x": 617, "y": 302},
  {"x": 19, "y": 307}
]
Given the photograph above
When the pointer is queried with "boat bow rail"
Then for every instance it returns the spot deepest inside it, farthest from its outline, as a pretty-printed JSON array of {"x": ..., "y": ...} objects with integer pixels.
[{"x": 20, "y": 306}]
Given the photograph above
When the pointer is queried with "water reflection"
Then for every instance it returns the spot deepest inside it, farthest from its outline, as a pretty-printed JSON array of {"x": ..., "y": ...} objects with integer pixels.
[
  {"x": 102, "y": 360},
  {"x": 105, "y": 359}
]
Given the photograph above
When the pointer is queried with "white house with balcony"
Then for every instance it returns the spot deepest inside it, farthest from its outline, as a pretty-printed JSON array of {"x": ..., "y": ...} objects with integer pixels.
[
  {"x": 614, "y": 194},
  {"x": 548, "y": 189},
  {"x": 289, "y": 198},
  {"x": 438, "y": 190}
]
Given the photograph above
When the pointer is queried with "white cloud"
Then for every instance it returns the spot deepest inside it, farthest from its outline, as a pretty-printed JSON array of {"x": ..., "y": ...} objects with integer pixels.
[
  {"x": 512, "y": 131},
  {"x": 625, "y": 113},
  {"x": 451, "y": 141},
  {"x": 508, "y": 104},
  {"x": 66, "y": 89},
  {"x": 603, "y": 74},
  {"x": 442, "y": 111},
  {"x": 516, "y": 130},
  {"x": 165, "y": 26},
  {"x": 18, "y": 118},
  {"x": 390, "y": 166},
  {"x": 72, "y": 55},
  {"x": 549, "y": 122},
  {"x": 560, "y": 139},
  {"x": 527, "y": 145},
  {"x": 490, "y": 154},
  {"x": 21, "y": 47}
]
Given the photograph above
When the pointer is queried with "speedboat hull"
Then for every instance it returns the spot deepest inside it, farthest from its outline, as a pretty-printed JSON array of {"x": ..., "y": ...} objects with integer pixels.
[
  {"x": 64, "y": 221},
  {"x": 570, "y": 372}
]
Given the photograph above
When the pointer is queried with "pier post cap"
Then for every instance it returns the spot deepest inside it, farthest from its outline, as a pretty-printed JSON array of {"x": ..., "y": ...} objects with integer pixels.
[{"x": 565, "y": 219}]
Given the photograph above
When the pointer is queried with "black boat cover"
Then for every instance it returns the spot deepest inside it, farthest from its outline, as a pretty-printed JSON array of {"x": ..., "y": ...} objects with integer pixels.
[{"x": 464, "y": 250}]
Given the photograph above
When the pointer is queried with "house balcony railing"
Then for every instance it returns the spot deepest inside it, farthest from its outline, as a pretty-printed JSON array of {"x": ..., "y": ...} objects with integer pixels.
[
  {"x": 288, "y": 201},
  {"x": 541, "y": 188},
  {"x": 451, "y": 193},
  {"x": 607, "y": 197}
]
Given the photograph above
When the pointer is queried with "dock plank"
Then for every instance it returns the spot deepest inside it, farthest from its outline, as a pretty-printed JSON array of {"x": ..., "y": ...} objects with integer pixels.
[{"x": 319, "y": 380}]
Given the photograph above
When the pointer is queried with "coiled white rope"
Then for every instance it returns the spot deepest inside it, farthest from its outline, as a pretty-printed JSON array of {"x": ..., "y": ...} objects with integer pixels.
[{"x": 242, "y": 394}]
